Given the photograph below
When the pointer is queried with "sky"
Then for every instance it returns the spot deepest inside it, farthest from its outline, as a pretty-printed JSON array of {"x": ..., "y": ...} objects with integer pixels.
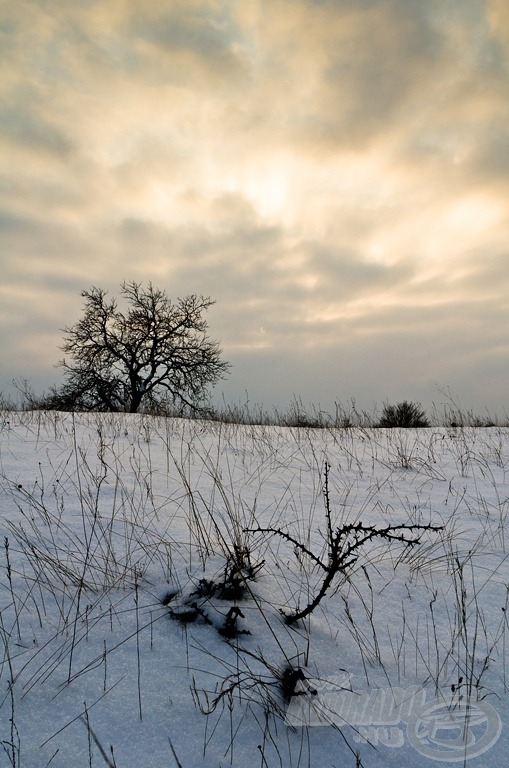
[{"x": 333, "y": 173}]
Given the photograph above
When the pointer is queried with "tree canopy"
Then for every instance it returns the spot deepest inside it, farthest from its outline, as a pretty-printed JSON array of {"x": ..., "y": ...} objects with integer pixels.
[{"x": 153, "y": 351}]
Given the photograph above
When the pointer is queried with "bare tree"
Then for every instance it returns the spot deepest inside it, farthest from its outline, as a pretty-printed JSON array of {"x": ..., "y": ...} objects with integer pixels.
[{"x": 154, "y": 351}]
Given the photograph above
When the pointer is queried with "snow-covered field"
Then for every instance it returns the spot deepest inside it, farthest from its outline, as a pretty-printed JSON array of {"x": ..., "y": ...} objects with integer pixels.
[{"x": 142, "y": 609}]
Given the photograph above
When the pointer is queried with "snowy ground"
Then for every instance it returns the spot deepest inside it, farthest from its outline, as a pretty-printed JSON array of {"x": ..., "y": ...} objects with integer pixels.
[{"x": 121, "y": 642}]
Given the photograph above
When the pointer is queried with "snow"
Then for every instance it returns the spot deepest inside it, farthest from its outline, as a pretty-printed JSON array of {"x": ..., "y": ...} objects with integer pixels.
[{"x": 113, "y": 526}]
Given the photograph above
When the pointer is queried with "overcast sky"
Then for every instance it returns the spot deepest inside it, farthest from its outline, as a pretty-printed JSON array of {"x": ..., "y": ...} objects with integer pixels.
[{"x": 334, "y": 173}]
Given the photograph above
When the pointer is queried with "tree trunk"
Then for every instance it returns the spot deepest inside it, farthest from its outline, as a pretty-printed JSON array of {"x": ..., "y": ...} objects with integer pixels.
[{"x": 135, "y": 403}]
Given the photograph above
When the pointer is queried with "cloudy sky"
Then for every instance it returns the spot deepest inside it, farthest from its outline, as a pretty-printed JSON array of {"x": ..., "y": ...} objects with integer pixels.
[{"x": 334, "y": 173}]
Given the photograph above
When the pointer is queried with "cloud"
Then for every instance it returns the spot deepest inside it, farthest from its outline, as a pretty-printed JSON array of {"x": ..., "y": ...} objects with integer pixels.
[
  {"x": 498, "y": 16},
  {"x": 490, "y": 157},
  {"x": 332, "y": 171},
  {"x": 22, "y": 125}
]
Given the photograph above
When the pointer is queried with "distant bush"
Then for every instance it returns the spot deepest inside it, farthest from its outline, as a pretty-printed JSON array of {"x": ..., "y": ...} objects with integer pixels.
[{"x": 403, "y": 414}]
